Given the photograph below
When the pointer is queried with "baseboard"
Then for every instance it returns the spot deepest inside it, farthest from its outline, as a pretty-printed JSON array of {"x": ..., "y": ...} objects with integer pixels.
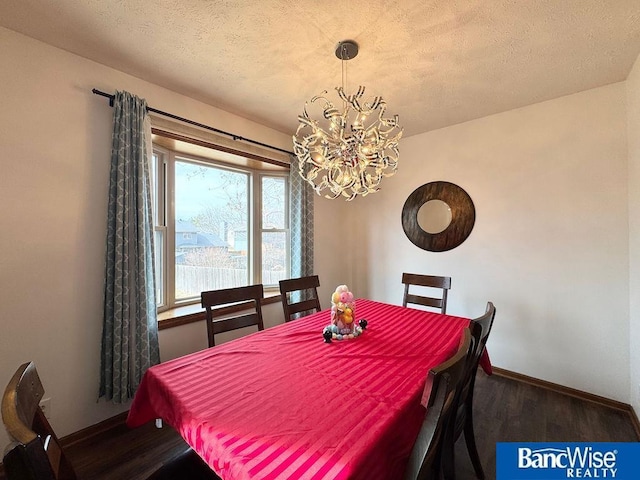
[
  {"x": 572, "y": 392},
  {"x": 94, "y": 430}
]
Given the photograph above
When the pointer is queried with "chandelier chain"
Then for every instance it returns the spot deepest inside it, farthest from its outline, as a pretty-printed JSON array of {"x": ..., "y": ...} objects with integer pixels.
[{"x": 343, "y": 61}]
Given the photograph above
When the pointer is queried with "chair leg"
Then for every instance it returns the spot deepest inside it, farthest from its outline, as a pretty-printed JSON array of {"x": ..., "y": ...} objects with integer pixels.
[
  {"x": 447, "y": 453},
  {"x": 447, "y": 464},
  {"x": 436, "y": 467},
  {"x": 470, "y": 440}
]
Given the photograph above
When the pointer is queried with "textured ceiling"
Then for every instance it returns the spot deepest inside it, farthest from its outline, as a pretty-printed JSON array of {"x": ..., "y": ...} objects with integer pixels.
[{"x": 435, "y": 62}]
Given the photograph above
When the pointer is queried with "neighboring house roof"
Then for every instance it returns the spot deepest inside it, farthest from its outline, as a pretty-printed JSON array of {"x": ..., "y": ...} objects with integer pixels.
[
  {"x": 211, "y": 240},
  {"x": 195, "y": 238},
  {"x": 183, "y": 226}
]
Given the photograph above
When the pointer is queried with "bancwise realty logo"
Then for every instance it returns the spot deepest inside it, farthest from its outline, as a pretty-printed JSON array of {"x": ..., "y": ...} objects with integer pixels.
[{"x": 551, "y": 461}]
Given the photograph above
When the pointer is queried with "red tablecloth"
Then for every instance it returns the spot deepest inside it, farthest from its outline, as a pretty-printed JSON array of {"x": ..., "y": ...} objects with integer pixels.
[{"x": 282, "y": 404}]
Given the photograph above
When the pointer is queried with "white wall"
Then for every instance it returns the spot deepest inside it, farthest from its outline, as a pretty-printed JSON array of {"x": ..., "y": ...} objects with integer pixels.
[
  {"x": 633, "y": 140},
  {"x": 550, "y": 243},
  {"x": 55, "y": 140}
]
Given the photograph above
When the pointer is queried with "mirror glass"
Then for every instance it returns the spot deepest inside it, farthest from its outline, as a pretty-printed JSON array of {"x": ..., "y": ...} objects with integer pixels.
[{"x": 434, "y": 216}]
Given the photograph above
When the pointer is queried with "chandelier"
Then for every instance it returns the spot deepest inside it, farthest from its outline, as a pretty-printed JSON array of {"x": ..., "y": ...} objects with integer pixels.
[{"x": 347, "y": 152}]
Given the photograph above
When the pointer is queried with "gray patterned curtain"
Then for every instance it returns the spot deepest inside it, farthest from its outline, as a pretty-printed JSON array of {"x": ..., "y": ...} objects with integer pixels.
[
  {"x": 301, "y": 223},
  {"x": 130, "y": 330}
]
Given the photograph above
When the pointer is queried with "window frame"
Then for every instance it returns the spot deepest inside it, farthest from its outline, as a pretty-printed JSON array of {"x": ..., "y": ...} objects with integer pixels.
[
  {"x": 165, "y": 221},
  {"x": 260, "y": 230}
]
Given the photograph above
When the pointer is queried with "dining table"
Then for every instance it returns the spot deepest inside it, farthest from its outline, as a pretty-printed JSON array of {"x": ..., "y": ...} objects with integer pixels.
[{"x": 283, "y": 403}]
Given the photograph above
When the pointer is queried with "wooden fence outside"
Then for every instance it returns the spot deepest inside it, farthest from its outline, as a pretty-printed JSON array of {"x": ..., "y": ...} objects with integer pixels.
[{"x": 191, "y": 280}]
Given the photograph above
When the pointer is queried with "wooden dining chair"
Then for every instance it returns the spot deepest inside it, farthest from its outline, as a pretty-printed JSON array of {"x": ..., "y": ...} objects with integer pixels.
[
  {"x": 431, "y": 281},
  {"x": 221, "y": 319},
  {"x": 462, "y": 422},
  {"x": 438, "y": 397},
  {"x": 307, "y": 289},
  {"x": 36, "y": 452}
]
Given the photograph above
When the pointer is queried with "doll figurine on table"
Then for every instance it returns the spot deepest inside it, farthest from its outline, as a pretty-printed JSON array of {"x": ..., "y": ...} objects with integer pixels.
[{"x": 343, "y": 310}]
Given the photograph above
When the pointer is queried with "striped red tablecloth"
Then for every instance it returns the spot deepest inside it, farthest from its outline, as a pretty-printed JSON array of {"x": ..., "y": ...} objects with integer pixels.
[{"x": 282, "y": 404}]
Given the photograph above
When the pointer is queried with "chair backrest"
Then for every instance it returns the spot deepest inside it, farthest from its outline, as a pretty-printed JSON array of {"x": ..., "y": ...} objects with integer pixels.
[
  {"x": 308, "y": 285},
  {"x": 252, "y": 295},
  {"x": 480, "y": 328},
  {"x": 432, "y": 281},
  {"x": 36, "y": 453},
  {"x": 441, "y": 386}
]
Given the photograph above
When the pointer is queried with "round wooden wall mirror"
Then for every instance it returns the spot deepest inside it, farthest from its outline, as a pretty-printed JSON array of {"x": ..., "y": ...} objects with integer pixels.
[{"x": 438, "y": 216}]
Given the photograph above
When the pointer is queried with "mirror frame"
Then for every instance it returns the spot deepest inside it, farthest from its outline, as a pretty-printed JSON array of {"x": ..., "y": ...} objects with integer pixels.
[{"x": 463, "y": 216}]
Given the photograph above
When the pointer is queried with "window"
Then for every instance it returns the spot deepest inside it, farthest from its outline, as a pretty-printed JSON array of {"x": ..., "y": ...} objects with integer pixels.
[{"x": 218, "y": 224}]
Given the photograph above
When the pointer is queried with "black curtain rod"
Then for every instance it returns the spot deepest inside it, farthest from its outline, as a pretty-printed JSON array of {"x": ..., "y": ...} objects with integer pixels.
[{"x": 191, "y": 122}]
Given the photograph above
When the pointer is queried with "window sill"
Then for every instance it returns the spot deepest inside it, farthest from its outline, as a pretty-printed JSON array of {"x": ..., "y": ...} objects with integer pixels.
[{"x": 195, "y": 313}]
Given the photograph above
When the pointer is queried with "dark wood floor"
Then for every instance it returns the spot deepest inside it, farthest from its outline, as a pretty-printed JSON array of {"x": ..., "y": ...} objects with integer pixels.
[
  {"x": 126, "y": 453},
  {"x": 505, "y": 411}
]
